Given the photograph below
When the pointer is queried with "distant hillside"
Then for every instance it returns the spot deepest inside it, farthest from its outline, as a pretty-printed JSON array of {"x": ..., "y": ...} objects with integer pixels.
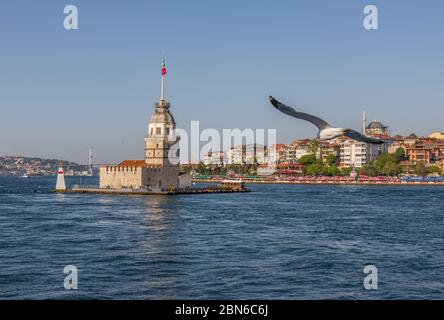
[{"x": 13, "y": 165}]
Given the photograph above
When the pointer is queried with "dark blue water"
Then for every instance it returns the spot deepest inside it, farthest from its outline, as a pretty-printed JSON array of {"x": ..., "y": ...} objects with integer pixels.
[{"x": 292, "y": 242}]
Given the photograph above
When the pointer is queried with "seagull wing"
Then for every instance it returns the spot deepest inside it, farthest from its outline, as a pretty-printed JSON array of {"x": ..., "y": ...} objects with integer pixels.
[
  {"x": 355, "y": 135},
  {"x": 321, "y": 124}
]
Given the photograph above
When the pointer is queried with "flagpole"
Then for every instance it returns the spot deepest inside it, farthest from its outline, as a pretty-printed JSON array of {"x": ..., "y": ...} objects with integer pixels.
[
  {"x": 163, "y": 71},
  {"x": 162, "y": 96}
]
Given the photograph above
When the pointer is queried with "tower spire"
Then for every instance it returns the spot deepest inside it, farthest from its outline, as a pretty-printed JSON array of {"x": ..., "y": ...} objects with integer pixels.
[{"x": 164, "y": 72}]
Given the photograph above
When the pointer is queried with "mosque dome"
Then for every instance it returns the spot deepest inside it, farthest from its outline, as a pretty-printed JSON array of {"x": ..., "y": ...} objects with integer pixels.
[{"x": 376, "y": 125}]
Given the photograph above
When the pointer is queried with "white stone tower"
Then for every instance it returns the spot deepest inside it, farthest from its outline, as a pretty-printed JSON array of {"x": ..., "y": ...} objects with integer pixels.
[
  {"x": 161, "y": 135},
  {"x": 60, "y": 185},
  {"x": 161, "y": 160}
]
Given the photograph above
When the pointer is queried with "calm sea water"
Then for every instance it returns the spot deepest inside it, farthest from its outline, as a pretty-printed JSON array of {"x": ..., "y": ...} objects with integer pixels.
[{"x": 289, "y": 242}]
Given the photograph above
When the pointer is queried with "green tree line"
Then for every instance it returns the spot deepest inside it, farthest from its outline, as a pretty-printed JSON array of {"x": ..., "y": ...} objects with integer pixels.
[{"x": 385, "y": 164}]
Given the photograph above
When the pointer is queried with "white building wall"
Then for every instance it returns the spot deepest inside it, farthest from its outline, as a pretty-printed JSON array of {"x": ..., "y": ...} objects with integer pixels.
[
  {"x": 235, "y": 156},
  {"x": 215, "y": 158},
  {"x": 354, "y": 154}
]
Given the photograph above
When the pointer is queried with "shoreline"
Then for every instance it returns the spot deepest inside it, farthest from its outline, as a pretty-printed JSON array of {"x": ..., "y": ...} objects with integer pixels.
[{"x": 321, "y": 182}]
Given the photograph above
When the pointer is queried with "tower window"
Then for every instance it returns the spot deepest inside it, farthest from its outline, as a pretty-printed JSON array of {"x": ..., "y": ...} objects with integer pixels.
[
  {"x": 151, "y": 132},
  {"x": 158, "y": 131},
  {"x": 167, "y": 131}
]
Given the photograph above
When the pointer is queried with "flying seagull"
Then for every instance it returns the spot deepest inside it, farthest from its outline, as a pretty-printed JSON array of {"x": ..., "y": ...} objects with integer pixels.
[{"x": 326, "y": 131}]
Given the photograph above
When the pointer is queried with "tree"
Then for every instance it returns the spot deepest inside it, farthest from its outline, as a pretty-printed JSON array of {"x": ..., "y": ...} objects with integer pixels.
[
  {"x": 391, "y": 169},
  {"x": 183, "y": 169},
  {"x": 433, "y": 169},
  {"x": 400, "y": 154},
  {"x": 332, "y": 171},
  {"x": 420, "y": 169},
  {"x": 307, "y": 159},
  {"x": 313, "y": 146},
  {"x": 346, "y": 171},
  {"x": 331, "y": 160},
  {"x": 201, "y": 168},
  {"x": 313, "y": 169},
  {"x": 369, "y": 170},
  {"x": 413, "y": 135}
]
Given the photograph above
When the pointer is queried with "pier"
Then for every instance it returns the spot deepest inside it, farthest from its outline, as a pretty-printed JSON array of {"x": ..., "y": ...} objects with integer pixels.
[{"x": 128, "y": 191}]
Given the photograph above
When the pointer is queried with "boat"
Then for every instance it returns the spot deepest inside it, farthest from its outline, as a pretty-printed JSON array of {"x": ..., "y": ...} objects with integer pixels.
[{"x": 233, "y": 184}]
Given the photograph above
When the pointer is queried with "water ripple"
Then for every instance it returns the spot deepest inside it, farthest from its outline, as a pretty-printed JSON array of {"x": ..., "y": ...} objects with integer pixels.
[{"x": 292, "y": 242}]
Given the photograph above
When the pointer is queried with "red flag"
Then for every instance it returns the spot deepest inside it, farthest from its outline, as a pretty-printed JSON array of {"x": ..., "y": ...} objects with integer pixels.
[{"x": 164, "y": 69}]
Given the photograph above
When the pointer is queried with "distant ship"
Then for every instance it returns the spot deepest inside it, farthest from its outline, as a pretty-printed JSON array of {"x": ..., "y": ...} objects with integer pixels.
[{"x": 24, "y": 176}]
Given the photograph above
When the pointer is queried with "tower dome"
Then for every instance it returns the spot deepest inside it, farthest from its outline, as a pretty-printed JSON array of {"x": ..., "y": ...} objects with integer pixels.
[
  {"x": 161, "y": 121},
  {"x": 162, "y": 113}
]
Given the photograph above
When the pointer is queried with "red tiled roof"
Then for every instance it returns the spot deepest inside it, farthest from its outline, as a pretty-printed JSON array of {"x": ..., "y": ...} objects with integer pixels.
[
  {"x": 280, "y": 146},
  {"x": 382, "y": 136},
  {"x": 132, "y": 163}
]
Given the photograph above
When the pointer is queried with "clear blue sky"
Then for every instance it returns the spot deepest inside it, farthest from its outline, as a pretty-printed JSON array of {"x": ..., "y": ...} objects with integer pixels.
[{"x": 61, "y": 91}]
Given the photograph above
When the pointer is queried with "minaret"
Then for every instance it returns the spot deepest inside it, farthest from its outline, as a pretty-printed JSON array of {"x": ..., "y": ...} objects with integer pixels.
[
  {"x": 161, "y": 127},
  {"x": 364, "y": 123},
  {"x": 90, "y": 161},
  {"x": 60, "y": 185}
]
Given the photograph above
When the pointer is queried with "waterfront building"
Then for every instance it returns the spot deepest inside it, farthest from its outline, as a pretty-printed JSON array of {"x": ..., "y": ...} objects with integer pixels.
[
  {"x": 353, "y": 154},
  {"x": 160, "y": 168},
  {"x": 261, "y": 153},
  {"x": 330, "y": 148},
  {"x": 383, "y": 148},
  {"x": 357, "y": 154},
  {"x": 246, "y": 154},
  {"x": 427, "y": 150},
  {"x": 396, "y": 144},
  {"x": 276, "y": 153},
  {"x": 253, "y": 153},
  {"x": 294, "y": 151},
  {"x": 419, "y": 153},
  {"x": 297, "y": 150},
  {"x": 235, "y": 155},
  {"x": 214, "y": 158}
]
